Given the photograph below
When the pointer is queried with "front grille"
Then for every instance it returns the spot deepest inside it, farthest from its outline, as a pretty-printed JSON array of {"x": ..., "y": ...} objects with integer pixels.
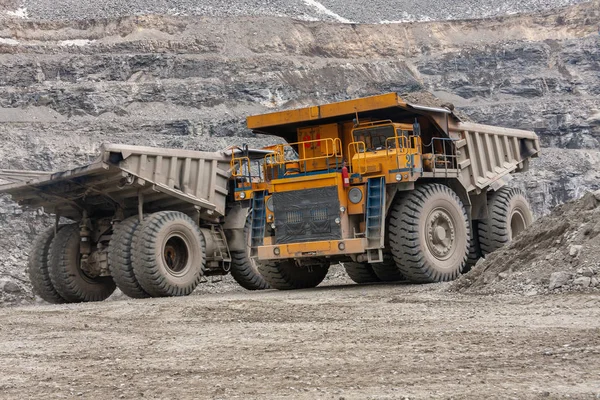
[{"x": 307, "y": 215}]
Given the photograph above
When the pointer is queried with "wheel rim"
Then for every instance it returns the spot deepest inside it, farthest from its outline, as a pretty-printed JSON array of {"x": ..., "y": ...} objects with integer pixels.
[
  {"x": 517, "y": 223},
  {"x": 441, "y": 234},
  {"x": 176, "y": 255}
]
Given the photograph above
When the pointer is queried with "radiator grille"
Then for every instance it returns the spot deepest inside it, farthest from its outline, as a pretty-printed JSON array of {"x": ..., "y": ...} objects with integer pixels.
[{"x": 307, "y": 215}]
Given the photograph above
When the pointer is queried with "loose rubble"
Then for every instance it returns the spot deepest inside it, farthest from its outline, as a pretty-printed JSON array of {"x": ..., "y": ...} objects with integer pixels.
[
  {"x": 558, "y": 253},
  {"x": 378, "y": 11}
]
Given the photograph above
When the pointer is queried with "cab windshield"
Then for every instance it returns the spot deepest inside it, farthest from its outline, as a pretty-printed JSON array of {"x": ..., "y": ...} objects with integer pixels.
[{"x": 376, "y": 138}]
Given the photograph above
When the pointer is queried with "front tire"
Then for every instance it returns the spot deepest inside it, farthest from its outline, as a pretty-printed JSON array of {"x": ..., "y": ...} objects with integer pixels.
[
  {"x": 361, "y": 272},
  {"x": 244, "y": 268},
  {"x": 287, "y": 275},
  {"x": 168, "y": 254},
  {"x": 387, "y": 271},
  {"x": 509, "y": 214},
  {"x": 68, "y": 279},
  {"x": 429, "y": 234}
]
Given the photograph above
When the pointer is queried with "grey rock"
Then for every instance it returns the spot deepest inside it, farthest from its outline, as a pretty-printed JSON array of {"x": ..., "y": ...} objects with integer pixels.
[
  {"x": 11, "y": 287},
  {"x": 558, "y": 279},
  {"x": 583, "y": 281},
  {"x": 503, "y": 275},
  {"x": 574, "y": 250},
  {"x": 594, "y": 282},
  {"x": 587, "y": 272}
]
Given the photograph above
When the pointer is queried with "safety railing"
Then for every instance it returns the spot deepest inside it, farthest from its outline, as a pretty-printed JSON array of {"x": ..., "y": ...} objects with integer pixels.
[
  {"x": 243, "y": 172},
  {"x": 395, "y": 147},
  {"x": 358, "y": 149},
  {"x": 444, "y": 156},
  {"x": 329, "y": 152}
]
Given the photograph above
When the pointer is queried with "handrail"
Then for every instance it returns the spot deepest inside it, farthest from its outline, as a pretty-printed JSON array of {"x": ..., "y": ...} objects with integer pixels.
[
  {"x": 353, "y": 149},
  {"x": 333, "y": 148},
  {"x": 445, "y": 157}
]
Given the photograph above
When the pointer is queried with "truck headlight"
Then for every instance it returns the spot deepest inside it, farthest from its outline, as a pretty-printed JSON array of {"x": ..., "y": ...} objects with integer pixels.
[
  {"x": 270, "y": 204},
  {"x": 355, "y": 195}
]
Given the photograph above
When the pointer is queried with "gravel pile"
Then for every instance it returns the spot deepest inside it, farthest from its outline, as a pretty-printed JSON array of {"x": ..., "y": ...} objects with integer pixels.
[
  {"x": 558, "y": 253},
  {"x": 375, "y": 11}
]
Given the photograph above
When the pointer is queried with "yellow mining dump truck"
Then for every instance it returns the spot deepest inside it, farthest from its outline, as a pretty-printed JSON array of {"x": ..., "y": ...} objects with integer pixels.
[
  {"x": 150, "y": 221},
  {"x": 392, "y": 190}
]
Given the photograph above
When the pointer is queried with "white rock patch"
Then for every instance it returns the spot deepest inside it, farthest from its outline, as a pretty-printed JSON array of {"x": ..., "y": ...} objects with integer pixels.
[{"x": 324, "y": 10}]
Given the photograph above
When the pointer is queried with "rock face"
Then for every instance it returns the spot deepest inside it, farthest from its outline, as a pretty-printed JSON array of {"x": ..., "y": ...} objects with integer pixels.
[
  {"x": 190, "y": 81},
  {"x": 374, "y": 11}
]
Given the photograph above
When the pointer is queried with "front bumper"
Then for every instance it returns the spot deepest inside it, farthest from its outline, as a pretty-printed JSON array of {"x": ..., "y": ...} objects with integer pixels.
[{"x": 323, "y": 248}]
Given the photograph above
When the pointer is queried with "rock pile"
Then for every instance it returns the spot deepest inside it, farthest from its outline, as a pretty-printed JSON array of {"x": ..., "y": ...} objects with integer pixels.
[{"x": 558, "y": 253}]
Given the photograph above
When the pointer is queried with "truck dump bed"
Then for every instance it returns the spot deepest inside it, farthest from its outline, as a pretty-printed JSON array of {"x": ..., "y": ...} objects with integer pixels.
[{"x": 121, "y": 176}]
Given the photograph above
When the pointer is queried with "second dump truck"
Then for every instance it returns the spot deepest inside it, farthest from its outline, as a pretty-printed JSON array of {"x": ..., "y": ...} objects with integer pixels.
[{"x": 390, "y": 189}]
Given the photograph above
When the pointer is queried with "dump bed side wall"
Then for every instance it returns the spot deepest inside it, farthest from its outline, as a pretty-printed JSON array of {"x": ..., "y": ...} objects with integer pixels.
[
  {"x": 487, "y": 153},
  {"x": 201, "y": 175},
  {"x": 168, "y": 177}
]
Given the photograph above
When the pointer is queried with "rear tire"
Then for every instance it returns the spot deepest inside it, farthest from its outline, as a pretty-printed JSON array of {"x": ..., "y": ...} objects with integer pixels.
[
  {"x": 286, "y": 275},
  {"x": 508, "y": 215},
  {"x": 361, "y": 272},
  {"x": 37, "y": 266},
  {"x": 429, "y": 234},
  {"x": 168, "y": 254},
  {"x": 474, "y": 248},
  {"x": 119, "y": 258},
  {"x": 244, "y": 268},
  {"x": 68, "y": 279}
]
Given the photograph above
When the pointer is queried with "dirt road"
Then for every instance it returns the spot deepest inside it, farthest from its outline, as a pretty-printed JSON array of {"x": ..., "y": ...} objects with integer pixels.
[{"x": 336, "y": 342}]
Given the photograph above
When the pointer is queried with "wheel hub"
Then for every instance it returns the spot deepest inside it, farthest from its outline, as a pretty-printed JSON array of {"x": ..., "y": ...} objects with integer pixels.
[
  {"x": 440, "y": 234},
  {"x": 176, "y": 254}
]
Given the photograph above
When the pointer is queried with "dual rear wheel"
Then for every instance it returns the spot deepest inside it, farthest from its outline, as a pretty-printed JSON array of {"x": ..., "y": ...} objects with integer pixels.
[{"x": 162, "y": 256}]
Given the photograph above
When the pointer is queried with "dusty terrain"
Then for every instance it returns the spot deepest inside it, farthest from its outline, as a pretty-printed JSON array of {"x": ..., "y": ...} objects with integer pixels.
[{"x": 340, "y": 342}]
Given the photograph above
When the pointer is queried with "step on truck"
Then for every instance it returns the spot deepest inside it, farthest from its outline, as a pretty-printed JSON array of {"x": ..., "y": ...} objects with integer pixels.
[
  {"x": 153, "y": 222},
  {"x": 393, "y": 190}
]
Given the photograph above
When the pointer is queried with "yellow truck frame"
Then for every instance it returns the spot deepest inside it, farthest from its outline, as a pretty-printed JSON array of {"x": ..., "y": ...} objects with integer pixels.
[{"x": 422, "y": 188}]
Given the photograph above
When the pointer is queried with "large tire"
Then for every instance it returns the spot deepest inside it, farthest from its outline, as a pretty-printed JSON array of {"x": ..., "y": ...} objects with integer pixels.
[
  {"x": 68, "y": 279},
  {"x": 168, "y": 254},
  {"x": 244, "y": 269},
  {"x": 361, "y": 272},
  {"x": 387, "y": 271},
  {"x": 286, "y": 275},
  {"x": 508, "y": 215},
  {"x": 474, "y": 248},
  {"x": 429, "y": 234},
  {"x": 37, "y": 266},
  {"x": 119, "y": 258}
]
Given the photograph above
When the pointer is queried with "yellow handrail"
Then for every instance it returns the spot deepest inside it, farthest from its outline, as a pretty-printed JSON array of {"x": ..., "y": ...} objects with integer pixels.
[
  {"x": 354, "y": 149},
  {"x": 332, "y": 149}
]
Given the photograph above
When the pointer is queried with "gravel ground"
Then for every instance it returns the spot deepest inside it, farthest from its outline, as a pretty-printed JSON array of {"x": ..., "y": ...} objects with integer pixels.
[
  {"x": 326, "y": 10},
  {"x": 346, "y": 342}
]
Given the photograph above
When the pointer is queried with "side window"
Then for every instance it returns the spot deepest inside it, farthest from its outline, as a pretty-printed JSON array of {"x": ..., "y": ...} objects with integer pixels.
[{"x": 403, "y": 137}]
